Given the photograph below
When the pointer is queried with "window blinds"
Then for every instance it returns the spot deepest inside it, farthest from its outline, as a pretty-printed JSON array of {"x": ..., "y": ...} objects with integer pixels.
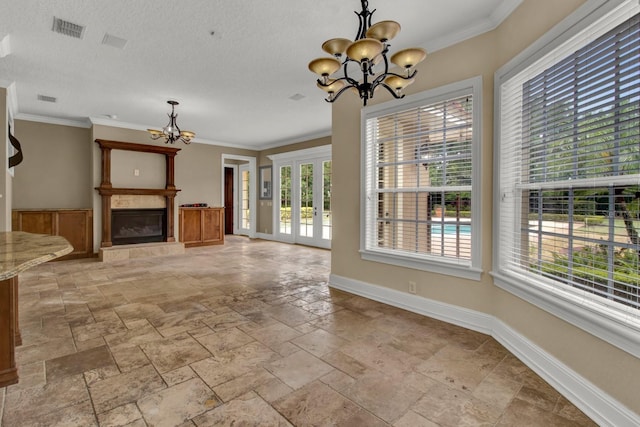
[
  {"x": 570, "y": 166},
  {"x": 419, "y": 182}
]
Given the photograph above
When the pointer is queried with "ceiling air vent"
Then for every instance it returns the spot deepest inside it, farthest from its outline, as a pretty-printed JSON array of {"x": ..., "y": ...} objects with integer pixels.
[
  {"x": 67, "y": 28},
  {"x": 296, "y": 97},
  {"x": 111, "y": 40},
  {"x": 46, "y": 98}
]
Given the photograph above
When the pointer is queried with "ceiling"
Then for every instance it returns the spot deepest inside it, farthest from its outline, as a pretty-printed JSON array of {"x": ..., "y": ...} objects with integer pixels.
[{"x": 232, "y": 65}]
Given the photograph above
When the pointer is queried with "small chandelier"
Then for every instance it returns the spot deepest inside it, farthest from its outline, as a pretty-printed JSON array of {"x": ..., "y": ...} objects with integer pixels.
[
  {"x": 171, "y": 132},
  {"x": 369, "y": 48}
]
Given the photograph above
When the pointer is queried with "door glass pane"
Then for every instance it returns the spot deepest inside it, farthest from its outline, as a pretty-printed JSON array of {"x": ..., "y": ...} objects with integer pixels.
[
  {"x": 306, "y": 200},
  {"x": 285, "y": 200},
  {"x": 326, "y": 200},
  {"x": 244, "y": 220}
]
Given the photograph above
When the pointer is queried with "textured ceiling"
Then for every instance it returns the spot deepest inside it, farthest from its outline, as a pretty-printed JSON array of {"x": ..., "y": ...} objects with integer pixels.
[{"x": 234, "y": 86}]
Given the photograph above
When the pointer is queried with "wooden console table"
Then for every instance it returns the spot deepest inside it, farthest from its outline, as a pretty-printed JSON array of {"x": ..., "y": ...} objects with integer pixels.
[
  {"x": 201, "y": 226},
  {"x": 19, "y": 251}
]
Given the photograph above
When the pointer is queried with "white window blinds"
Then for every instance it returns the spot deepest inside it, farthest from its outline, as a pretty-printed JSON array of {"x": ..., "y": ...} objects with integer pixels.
[
  {"x": 419, "y": 164},
  {"x": 569, "y": 175}
]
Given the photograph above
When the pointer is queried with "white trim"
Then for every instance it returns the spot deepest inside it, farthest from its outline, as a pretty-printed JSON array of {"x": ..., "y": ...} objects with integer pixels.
[
  {"x": 581, "y": 18},
  {"x": 238, "y": 209},
  {"x": 453, "y": 314},
  {"x": 53, "y": 120},
  {"x": 103, "y": 121},
  {"x": 265, "y": 236},
  {"x": 604, "y": 327},
  {"x": 471, "y": 269},
  {"x": 442, "y": 266},
  {"x": 294, "y": 159},
  {"x": 504, "y": 10},
  {"x": 305, "y": 154},
  {"x": 488, "y": 24},
  {"x": 301, "y": 138},
  {"x": 12, "y": 102},
  {"x": 594, "y": 402},
  {"x": 234, "y": 196},
  {"x": 253, "y": 194},
  {"x": 275, "y": 202},
  {"x": 596, "y": 322}
]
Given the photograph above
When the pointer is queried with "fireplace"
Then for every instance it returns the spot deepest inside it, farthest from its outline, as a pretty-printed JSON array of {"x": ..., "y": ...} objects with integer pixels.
[{"x": 129, "y": 226}]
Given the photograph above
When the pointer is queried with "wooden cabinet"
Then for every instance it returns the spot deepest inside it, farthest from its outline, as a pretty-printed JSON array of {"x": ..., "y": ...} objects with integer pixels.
[
  {"x": 201, "y": 226},
  {"x": 75, "y": 225}
]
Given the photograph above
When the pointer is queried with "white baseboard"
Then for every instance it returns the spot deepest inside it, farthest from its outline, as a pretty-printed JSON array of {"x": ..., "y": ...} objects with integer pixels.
[
  {"x": 265, "y": 236},
  {"x": 595, "y": 403}
]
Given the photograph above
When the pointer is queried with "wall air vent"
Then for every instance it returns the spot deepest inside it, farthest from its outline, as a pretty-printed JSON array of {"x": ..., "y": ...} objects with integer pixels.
[
  {"x": 46, "y": 98},
  {"x": 67, "y": 28}
]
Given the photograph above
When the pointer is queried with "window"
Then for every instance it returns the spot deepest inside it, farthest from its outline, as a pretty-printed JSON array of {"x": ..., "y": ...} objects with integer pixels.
[
  {"x": 421, "y": 163},
  {"x": 285, "y": 199},
  {"x": 569, "y": 172},
  {"x": 245, "y": 218}
]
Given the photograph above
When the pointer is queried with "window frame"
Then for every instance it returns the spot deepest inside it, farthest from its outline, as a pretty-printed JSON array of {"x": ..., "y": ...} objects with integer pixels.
[
  {"x": 467, "y": 269},
  {"x": 607, "y": 324}
]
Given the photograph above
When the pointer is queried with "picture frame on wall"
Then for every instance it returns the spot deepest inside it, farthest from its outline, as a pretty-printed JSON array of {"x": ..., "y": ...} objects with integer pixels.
[{"x": 265, "y": 182}]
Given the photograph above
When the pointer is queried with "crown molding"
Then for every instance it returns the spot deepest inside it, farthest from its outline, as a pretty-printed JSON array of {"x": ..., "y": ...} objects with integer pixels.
[
  {"x": 103, "y": 121},
  {"x": 53, "y": 120},
  {"x": 302, "y": 138},
  {"x": 490, "y": 23}
]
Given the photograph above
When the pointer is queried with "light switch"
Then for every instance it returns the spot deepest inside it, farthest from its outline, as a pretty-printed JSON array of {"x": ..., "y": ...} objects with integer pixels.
[{"x": 136, "y": 172}]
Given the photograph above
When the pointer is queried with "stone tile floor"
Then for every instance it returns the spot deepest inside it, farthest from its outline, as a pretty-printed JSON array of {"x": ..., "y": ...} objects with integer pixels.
[{"x": 249, "y": 334}]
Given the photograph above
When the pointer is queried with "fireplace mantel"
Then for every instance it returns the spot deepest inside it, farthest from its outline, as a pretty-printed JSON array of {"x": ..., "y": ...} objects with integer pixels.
[{"x": 106, "y": 189}]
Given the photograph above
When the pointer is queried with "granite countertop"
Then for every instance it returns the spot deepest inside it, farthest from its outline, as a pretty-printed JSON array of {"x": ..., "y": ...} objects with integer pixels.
[{"x": 20, "y": 251}]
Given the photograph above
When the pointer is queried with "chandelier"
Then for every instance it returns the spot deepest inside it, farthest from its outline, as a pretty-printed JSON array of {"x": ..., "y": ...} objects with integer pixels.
[
  {"x": 171, "y": 132},
  {"x": 369, "y": 49}
]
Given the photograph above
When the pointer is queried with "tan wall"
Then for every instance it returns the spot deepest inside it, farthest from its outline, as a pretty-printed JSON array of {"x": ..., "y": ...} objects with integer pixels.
[
  {"x": 55, "y": 172},
  {"x": 62, "y": 167},
  {"x": 607, "y": 367},
  {"x": 265, "y": 207},
  {"x": 198, "y": 168}
]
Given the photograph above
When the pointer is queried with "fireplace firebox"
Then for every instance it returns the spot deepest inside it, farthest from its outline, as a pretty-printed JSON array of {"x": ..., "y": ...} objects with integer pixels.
[{"x": 129, "y": 226}]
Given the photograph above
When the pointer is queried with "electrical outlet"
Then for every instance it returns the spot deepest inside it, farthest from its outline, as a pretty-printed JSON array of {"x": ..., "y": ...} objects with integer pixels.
[{"x": 412, "y": 287}]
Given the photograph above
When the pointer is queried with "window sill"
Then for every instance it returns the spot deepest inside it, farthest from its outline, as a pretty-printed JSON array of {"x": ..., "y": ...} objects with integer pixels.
[
  {"x": 618, "y": 329},
  {"x": 449, "y": 268}
]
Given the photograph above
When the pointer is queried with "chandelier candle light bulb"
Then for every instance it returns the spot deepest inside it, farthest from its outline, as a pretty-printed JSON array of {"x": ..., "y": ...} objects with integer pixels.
[{"x": 369, "y": 48}]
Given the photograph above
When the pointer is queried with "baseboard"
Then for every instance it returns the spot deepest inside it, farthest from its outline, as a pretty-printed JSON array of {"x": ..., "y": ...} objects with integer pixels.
[
  {"x": 265, "y": 236},
  {"x": 595, "y": 403}
]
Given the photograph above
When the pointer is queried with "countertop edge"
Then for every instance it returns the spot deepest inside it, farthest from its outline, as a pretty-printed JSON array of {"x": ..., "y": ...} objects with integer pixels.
[{"x": 62, "y": 247}]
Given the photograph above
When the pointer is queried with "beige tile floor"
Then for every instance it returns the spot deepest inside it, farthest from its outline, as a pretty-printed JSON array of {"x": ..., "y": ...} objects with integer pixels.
[{"x": 249, "y": 334}]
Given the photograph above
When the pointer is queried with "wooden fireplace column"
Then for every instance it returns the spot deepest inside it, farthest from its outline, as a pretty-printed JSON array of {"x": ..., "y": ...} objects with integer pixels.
[{"x": 106, "y": 189}]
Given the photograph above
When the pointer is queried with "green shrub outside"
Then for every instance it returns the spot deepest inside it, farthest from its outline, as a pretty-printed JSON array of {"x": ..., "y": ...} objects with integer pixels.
[
  {"x": 590, "y": 266},
  {"x": 305, "y": 212}
]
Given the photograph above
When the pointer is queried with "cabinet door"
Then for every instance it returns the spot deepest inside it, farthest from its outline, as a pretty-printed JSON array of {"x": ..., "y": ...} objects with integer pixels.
[
  {"x": 77, "y": 228},
  {"x": 74, "y": 225},
  {"x": 212, "y": 225},
  {"x": 35, "y": 222},
  {"x": 191, "y": 230}
]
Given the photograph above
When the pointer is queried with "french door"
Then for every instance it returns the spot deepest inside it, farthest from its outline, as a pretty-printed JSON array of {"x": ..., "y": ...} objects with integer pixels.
[
  {"x": 244, "y": 199},
  {"x": 304, "y": 202}
]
